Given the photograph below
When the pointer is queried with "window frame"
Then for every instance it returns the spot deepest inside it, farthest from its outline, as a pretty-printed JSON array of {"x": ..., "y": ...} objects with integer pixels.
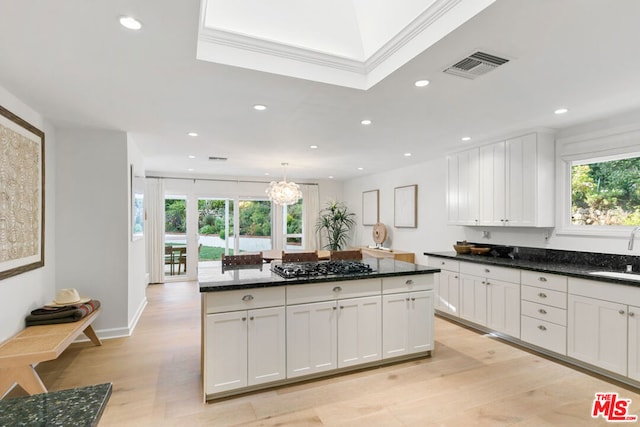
[{"x": 611, "y": 144}]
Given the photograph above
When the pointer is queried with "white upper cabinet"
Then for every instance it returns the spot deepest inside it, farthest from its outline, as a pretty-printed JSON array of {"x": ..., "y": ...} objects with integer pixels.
[
  {"x": 463, "y": 201},
  {"x": 508, "y": 183}
]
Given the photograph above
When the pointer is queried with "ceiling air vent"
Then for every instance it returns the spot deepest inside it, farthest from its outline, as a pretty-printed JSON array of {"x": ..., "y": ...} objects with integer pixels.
[
  {"x": 217, "y": 159},
  {"x": 476, "y": 65}
]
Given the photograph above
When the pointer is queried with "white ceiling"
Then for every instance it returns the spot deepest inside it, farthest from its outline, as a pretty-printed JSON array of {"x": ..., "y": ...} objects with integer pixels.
[
  {"x": 73, "y": 62},
  {"x": 352, "y": 43}
]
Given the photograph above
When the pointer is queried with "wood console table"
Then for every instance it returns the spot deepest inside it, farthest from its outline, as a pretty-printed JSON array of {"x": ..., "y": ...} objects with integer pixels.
[{"x": 395, "y": 254}]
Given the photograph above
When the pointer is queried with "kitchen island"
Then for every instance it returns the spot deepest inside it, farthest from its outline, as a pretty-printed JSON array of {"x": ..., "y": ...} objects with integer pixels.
[{"x": 261, "y": 330}]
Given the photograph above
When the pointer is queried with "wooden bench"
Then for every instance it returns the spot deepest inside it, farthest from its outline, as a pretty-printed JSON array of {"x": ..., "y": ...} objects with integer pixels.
[{"x": 36, "y": 344}]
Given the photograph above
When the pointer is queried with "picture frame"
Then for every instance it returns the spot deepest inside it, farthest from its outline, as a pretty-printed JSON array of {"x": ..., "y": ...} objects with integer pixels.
[
  {"x": 370, "y": 207},
  {"x": 137, "y": 206},
  {"x": 22, "y": 181},
  {"x": 405, "y": 206}
]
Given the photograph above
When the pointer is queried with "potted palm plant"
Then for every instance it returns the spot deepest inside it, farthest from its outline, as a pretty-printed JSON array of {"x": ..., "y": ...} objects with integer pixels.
[{"x": 337, "y": 222}]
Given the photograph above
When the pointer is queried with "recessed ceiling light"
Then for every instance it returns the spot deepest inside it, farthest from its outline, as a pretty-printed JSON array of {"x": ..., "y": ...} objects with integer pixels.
[
  {"x": 313, "y": 146},
  {"x": 407, "y": 154},
  {"x": 466, "y": 138},
  {"x": 366, "y": 122},
  {"x": 193, "y": 134},
  {"x": 259, "y": 107},
  {"x": 330, "y": 176},
  {"x": 561, "y": 111},
  {"x": 360, "y": 169},
  {"x": 130, "y": 22},
  {"x": 421, "y": 83},
  {"x": 190, "y": 169},
  {"x": 266, "y": 173},
  {"x": 191, "y": 156}
]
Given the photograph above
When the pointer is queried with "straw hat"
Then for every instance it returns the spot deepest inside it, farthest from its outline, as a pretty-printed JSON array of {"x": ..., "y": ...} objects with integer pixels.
[{"x": 68, "y": 296}]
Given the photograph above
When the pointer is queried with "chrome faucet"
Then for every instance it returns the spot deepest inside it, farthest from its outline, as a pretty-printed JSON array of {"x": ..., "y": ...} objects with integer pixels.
[{"x": 632, "y": 237}]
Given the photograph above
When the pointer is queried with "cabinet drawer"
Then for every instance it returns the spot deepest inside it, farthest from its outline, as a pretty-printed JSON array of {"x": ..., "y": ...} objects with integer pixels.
[
  {"x": 544, "y": 334},
  {"x": 544, "y": 280},
  {"x": 544, "y": 312},
  {"x": 544, "y": 296},
  {"x": 418, "y": 282},
  {"x": 444, "y": 263},
  {"x": 491, "y": 272},
  {"x": 243, "y": 299},
  {"x": 300, "y": 294}
]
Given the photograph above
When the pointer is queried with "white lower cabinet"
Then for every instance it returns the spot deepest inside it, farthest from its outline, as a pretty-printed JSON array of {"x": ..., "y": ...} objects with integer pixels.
[
  {"x": 244, "y": 348},
  {"x": 312, "y": 331},
  {"x": 633, "y": 364},
  {"x": 408, "y": 323},
  {"x": 503, "y": 312},
  {"x": 597, "y": 333},
  {"x": 473, "y": 299},
  {"x": 359, "y": 331}
]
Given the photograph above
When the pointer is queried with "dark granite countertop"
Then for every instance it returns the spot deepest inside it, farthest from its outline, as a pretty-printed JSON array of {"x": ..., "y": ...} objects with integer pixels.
[
  {"x": 81, "y": 406},
  {"x": 575, "y": 269},
  {"x": 247, "y": 278}
]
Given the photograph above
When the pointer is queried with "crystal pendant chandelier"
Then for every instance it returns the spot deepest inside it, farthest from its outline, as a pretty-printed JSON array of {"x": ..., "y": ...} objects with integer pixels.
[{"x": 283, "y": 192}]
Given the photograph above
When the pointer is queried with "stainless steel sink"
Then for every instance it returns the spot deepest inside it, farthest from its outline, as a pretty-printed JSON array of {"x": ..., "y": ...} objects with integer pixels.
[{"x": 617, "y": 275}]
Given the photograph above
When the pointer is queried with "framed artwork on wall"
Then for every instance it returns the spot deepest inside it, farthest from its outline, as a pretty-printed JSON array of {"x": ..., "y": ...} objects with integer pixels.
[
  {"x": 21, "y": 195},
  {"x": 405, "y": 206},
  {"x": 370, "y": 207}
]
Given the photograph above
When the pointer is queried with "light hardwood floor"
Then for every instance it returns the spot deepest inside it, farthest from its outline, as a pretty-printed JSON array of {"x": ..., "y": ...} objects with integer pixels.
[{"x": 471, "y": 380}]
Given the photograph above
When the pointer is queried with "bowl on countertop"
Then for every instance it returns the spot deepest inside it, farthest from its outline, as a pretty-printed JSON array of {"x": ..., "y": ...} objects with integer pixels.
[
  {"x": 462, "y": 249},
  {"x": 479, "y": 251}
]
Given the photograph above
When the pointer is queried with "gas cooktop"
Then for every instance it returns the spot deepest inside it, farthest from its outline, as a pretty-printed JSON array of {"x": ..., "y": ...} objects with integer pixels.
[{"x": 324, "y": 268}]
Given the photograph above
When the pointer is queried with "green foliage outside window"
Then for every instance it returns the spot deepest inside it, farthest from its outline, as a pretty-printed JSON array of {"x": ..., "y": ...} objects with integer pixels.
[
  {"x": 175, "y": 214},
  {"x": 606, "y": 193}
]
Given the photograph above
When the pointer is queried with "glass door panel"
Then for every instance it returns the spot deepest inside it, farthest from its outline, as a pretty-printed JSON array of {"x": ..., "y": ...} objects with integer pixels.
[
  {"x": 175, "y": 236},
  {"x": 215, "y": 234},
  {"x": 254, "y": 225},
  {"x": 292, "y": 216}
]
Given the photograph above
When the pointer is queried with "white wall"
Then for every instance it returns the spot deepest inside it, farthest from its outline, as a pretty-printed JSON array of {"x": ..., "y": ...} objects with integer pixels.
[
  {"x": 137, "y": 270},
  {"x": 22, "y": 293},
  {"x": 433, "y": 233},
  {"x": 92, "y": 204}
]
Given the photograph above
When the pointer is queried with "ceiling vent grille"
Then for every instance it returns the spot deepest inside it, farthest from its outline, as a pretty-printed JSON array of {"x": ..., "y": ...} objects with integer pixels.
[
  {"x": 218, "y": 159},
  {"x": 476, "y": 65}
]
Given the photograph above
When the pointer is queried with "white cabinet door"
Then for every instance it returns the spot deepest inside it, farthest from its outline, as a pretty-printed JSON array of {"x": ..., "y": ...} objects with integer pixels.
[
  {"x": 266, "y": 345},
  {"x": 311, "y": 338},
  {"x": 503, "y": 312},
  {"x": 448, "y": 292},
  {"x": 407, "y": 325},
  {"x": 521, "y": 176},
  {"x": 597, "y": 333},
  {"x": 420, "y": 321},
  {"x": 395, "y": 325},
  {"x": 634, "y": 343},
  {"x": 492, "y": 184},
  {"x": 463, "y": 202},
  {"x": 473, "y": 299},
  {"x": 226, "y": 351},
  {"x": 359, "y": 331}
]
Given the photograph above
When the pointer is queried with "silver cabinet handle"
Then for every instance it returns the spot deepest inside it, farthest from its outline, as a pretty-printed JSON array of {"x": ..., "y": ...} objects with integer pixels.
[
  {"x": 506, "y": 220},
  {"x": 334, "y": 307},
  {"x": 251, "y": 318},
  {"x": 407, "y": 298},
  {"x": 486, "y": 270},
  {"x": 542, "y": 311},
  {"x": 342, "y": 307},
  {"x": 442, "y": 263},
  {"x": 542, "y": 328},
  {"x": 455, "y": 277},
  {"x": 247, "y": 298},
  {"x": 337, "y": 289},
  {"x": 409, "y": 282},
  {"x": 631, "y": 313},
  {"x": 413, "y": 299},
  {"x": 542, "y": 295},
  {"x": 244, "y": 319},
  {"x": 542, "y": 279},
  {"x": 621, "y": 311}
]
